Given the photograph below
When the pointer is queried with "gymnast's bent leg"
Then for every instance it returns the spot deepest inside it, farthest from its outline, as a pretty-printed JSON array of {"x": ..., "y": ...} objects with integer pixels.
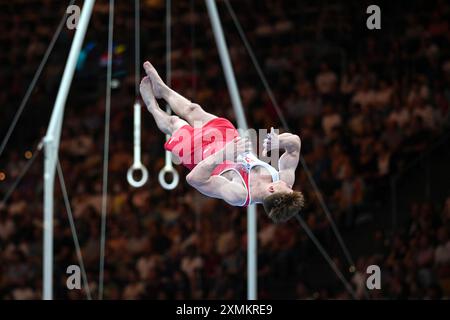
[
  {"x": 191, "y": 112},
  {"x": 166, "y": 123}
]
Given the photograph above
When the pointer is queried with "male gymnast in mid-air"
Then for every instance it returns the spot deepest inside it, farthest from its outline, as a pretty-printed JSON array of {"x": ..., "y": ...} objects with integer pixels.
[{"x": 221, "y": 163}]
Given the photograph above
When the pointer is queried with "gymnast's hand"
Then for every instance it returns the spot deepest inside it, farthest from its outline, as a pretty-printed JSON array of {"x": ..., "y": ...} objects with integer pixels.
[
  {"x": 271, "y": 142},
  {"x": 236, "y": 147}
]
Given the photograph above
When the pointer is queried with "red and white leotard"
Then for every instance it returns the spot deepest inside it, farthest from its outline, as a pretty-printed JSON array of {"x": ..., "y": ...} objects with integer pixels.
[
  {"x": 246, "y": 162},
  {"x": 191, "y": 145}
]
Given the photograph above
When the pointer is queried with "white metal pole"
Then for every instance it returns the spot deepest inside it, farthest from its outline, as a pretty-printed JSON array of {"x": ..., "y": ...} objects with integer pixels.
[
  {"x": 242, "y": 123},
  {"x": 252, "y": 262},
  {"x": 51, "y": 143}
]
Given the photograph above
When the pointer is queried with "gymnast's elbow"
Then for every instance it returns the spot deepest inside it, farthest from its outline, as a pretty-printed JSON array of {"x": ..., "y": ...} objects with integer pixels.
[
  {"x": 296, "y": 140},
  {"x": 293, "y": 144},
  {"x": 190, "y": 179},
  {"x": 194, "y": 180}
]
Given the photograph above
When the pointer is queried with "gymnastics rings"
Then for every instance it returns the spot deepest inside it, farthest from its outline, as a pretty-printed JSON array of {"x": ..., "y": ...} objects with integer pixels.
[
  {"x": 168, "y": 168},
  {"x": 137, "y": 164}
]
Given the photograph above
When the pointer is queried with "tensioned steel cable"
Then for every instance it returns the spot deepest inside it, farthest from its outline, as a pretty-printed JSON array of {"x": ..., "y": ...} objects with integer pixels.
[
  {"x": 326, "y": 256},
  {"x": 19, "y": 178},
  {"x": 106, "y": 150},
  {"x": 193, "y": 44},
  {"x": 168, "y": 46},
  {"x": 137, "y": 46},
  {"x": 286, "y": 127},
  {"x": 73, "y": 229},
  {"x": 68, "y": 209},
  {"x": 34, "y": 81}
]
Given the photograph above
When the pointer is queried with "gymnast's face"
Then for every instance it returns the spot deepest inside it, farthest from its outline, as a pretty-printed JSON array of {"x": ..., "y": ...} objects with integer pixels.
[{"x": 279, "y": 186}]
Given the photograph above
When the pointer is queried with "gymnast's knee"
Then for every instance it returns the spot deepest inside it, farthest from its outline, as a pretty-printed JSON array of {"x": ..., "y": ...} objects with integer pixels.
[
  {"x": 194, "y": 108},
  {"x": 173, "y": 120},
  {"x": 169, "y": 124}
]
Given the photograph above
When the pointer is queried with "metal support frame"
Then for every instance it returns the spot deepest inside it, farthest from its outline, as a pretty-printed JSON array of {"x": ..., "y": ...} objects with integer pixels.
[
  {"x": 51, "y": 146},
  {"x": 242, "y": 123}
]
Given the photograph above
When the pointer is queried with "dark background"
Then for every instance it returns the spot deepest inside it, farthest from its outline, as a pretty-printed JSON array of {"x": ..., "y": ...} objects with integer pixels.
[{"x": 371, "y": 107}]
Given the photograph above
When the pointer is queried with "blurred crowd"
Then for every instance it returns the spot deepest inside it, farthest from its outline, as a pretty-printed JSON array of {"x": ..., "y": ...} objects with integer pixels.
[{"x": 365, "y": 103}]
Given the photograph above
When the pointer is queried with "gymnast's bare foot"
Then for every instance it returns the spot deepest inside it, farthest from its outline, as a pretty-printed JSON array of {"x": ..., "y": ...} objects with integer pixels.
[
  {"x": 147, "y": 94},
  {"x": 159, "y": 87}
]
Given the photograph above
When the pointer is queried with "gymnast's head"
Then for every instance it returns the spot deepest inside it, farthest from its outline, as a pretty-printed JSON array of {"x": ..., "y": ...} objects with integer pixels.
[{"x": 281, "y": 202}]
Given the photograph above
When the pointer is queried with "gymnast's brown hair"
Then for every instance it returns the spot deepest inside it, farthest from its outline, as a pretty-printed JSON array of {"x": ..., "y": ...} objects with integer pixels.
[{"x": 281, "y": 206}]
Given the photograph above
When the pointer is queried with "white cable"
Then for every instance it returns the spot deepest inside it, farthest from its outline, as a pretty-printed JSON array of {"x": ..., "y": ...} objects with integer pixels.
[
  {"x": 168, "y": 165},
  {"x": 25, "y": 169},
  {"x": 326, "y": 256},
  {"x": 137, "y": 163},
  {"x": 33, "y": 82},
  {"x": 137, "y": 45},
  {"x": 73, "y": 230},
  {"x": 106, "y": 150}
]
